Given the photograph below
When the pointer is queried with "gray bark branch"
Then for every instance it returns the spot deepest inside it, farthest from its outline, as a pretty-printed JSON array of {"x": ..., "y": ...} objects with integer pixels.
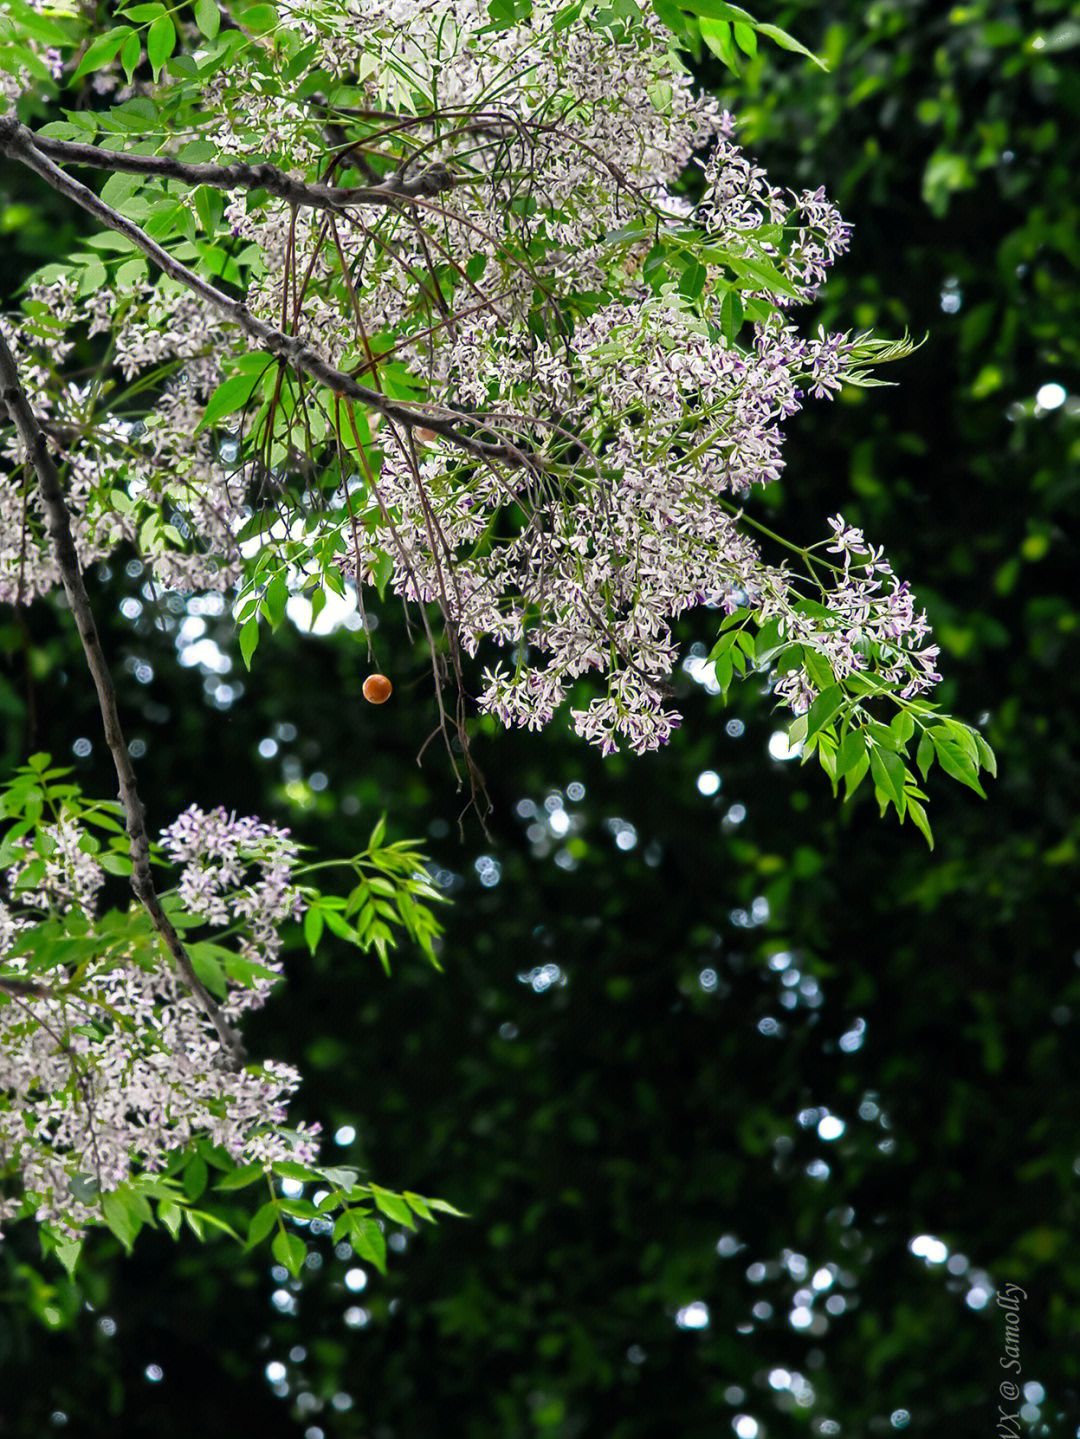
[
  {"x": 20, "y": 144},
  {"x": 394, "y": 190},
  {"x": 59, "y": 523}
]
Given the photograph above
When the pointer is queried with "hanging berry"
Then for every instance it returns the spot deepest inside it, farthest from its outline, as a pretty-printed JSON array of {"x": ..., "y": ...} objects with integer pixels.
[{"x": 377, "y": 689}]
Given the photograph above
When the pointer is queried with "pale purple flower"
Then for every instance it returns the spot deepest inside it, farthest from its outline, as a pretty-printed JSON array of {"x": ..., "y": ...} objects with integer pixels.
[{"x": 91, "y": 1097}]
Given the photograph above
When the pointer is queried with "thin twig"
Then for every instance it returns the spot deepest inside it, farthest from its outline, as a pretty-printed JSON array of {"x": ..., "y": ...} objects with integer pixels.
[{"x": 18, "y": 143}]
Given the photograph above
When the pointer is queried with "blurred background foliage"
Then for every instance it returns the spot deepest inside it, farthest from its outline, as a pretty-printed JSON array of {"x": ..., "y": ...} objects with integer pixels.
[{"x": 752, "y": 1104}]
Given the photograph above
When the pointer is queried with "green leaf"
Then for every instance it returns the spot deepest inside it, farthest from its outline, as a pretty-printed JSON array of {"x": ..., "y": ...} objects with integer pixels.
[
  {"x": 115, "y": 863},
  {"x": 170, "y": 1215},
  {"x": 249, "y": 639},
  {"x": 120, "y": 1217},
  {"x": 963, "y": 736},
  {"x": 393, "y": 1206},
  {"x": 788, "y": 42},
  {"x": 902, "y": 727},
  {"x": 692, "y": 280},
  {"x": 855, "y": 776},
  {"x": 827, "y": 705},
  {"x": 292, "y": 1169},
  {"x": 731, "y": 315},
  {"x": 812, "y": 609},
  {"x": 888, "y": 773},
  {"x": 336, "y": 925},
  {"x": 16, "y": 57},
  {"x": 924, "y": 755},
  {"x": 39, "y": 27},
  {"x": 737, "y": 617},
  {"x": 722, "y": 645},
  {"x": 195, "y": 1177},
  {"x": 765, "y": 276},
  {"x": 852, "y": 750},
  {"x": 206, "y": 961},
  {"x": 444, "y": 1208},
  {"x": 275, "y": 599},
  {"x": 131, "y": 275},
  {"x": 298, "y": 1208},
  {"x": 341, "y": 1175},
  {"x": 745, "y": 39},
  {"x": 102, "y": 50},
  {"x": 213, "y": 1220},
  {"x": 68, "y": 1254},
  {"x": 231, "y": 395},
  {"x": 259, "y": 18},
  {"x": 918, "y": 815},
  {"x": 241, "y": 1178},
  {"x": 290, "y": 1250},
  {"x": 565, "y": 17},
  {"x": 505, "y": 13},
  {"x": 420, "y": 1205},
  {"x": 718, "y": 10},
  {"x": 367, "y": 1239},
  {"x": 262, "y": 1221},
  {"x": 827, "y": 754},
  {"x": 313, "y": 927},
  {"x": 769, "y": 641},
  {"x": 987, "y": 758},
  {"x": 249, "y": 971},
  {"x": 671, "y": 16},
  {"x": 818, "y": 668},
  {"x": 207, "y": 17},
  {"x": 717, "y": 35},
  {"x": 955, "y": 760},
  {"x": 130, "y": 56},
  {"x": 207, "y": 203}
]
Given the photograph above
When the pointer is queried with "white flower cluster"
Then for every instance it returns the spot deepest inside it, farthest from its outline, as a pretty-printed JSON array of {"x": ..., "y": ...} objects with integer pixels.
[
  {"x": 237, "y": 872},
  {"x": 679, "y": 419},
  {"x": 544, "y": 149},
  {"x": 869, "y": 606},
  {"x": 105, "y": 1078},
  {"x": 127, "y": 481},
  {"x": 556, "y": 296}
]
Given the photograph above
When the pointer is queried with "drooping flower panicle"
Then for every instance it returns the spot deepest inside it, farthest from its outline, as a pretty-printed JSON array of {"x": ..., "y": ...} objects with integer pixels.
[{"x": 106, "y": 1079}]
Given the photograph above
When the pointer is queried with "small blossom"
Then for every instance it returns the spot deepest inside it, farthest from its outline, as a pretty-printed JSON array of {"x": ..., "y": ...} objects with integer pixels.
[{"x": 105, "y": 1081}]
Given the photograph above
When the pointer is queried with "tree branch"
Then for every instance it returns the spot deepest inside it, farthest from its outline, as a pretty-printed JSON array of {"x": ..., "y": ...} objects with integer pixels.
[
  {"x": 394, "y": 190},
  {"x": 20, "y": 144},
  {"x": 23, "y": 988},
  {"x": 59, "y": 523}
]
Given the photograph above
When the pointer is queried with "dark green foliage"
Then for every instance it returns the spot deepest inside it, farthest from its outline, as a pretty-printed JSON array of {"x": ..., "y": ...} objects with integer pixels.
[{"x": 603, "y": 1136}]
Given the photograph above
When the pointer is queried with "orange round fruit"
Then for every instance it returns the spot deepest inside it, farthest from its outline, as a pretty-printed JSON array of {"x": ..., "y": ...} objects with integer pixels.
[{"x": 377, "y": 689}]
